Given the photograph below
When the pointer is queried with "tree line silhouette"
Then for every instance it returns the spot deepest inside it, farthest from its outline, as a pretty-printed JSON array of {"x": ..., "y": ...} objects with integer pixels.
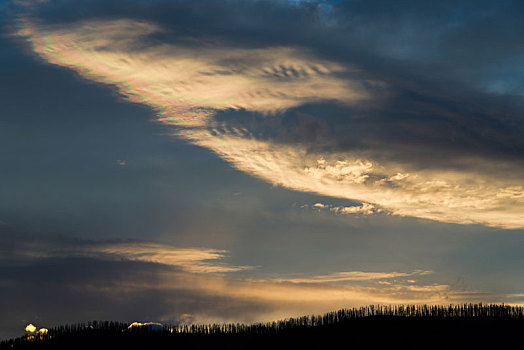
[{"x": 465, "y": 324}]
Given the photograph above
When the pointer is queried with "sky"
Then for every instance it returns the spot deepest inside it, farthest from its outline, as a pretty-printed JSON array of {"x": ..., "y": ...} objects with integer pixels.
[{"x": 246, "y": 161}]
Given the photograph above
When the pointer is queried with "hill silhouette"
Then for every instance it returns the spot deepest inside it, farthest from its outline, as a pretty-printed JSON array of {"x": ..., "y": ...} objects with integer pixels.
[{"x": 413, "y": 326}]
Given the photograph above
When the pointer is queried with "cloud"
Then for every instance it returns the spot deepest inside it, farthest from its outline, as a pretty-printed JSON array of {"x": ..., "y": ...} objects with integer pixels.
[
  {"x": 78, "y": 285},
  {"x": 363, "y": 209},
  {"x": 342, "y": 101},
  {"x": 200, "y": 260},
  {"x": 152, "y": 325},
  {"x": 372, "y": 126},
  {"x": 34, "y": 333},
  {"x": 456, "y": 196},
  {"x": 43, "y": 331},
  {"x": 356, "y": 276},
  {"x": 319, "y": 206},
  {"x": 196, "y": 260},
  {"x": 189, "y": 83},
  {"x": 30, "y": 328}
]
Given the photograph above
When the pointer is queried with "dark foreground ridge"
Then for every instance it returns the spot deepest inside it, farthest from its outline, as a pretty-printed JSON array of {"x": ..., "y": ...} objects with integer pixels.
[{"x": 413, "y": 326}]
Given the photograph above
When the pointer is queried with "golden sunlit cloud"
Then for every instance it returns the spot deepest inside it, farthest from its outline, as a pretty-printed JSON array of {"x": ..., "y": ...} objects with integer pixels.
[
  {"x": 200, "y": 272},
  {"x": 214, "y": 296},
  {"x": 464, "y": 197},
  {"x": 355, "y": 276},
  {"x": 43, "y": 331},
  {"x": 189, "y": 84},
  {"x": 282, "y": 299},
  {"x": 364, "y": 208},
  {"x": 30, "y": 328},
  {"x": 195, "y": 260},
  {"x": 151, "y": 325},
  {"x": 199, "y": 260}
]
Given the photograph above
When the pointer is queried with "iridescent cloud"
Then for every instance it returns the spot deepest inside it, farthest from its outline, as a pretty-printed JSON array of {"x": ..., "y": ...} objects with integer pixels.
[{"x": 189, "y": 84}]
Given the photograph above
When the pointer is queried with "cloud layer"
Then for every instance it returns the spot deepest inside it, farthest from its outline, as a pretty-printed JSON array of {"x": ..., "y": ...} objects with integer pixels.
[
  {"x": 61, "y": 282},
  {"x": 412, "y": 110},
  {"x": 195, "y": 260},
  {"x": 289, "y": 115}
]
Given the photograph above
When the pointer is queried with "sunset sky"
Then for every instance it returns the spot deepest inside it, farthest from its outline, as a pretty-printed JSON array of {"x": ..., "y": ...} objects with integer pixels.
[{"x": 242, "y": 161}]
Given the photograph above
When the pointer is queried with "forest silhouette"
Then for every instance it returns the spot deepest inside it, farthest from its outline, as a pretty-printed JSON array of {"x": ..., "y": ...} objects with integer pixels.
[{"x": 413, "y": 326}]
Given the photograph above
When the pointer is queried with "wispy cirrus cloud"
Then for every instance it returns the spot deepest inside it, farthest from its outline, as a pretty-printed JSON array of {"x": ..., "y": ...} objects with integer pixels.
[
  {"x": 154, "y": 282},
  {"x": 461, "y": 196},
  {"x": 356, "y": 276},
  {"x": 188, "y": 84},
  {"x": 198, "y": 260},
  {"x": 195, "y": 260},
  {"x": 394, "y": 141}
]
